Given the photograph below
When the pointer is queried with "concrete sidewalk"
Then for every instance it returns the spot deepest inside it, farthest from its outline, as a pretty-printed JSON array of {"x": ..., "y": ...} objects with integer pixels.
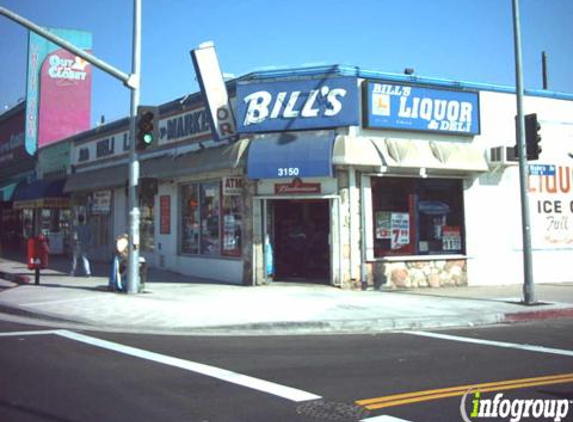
[{"x": 172, "y": 303}]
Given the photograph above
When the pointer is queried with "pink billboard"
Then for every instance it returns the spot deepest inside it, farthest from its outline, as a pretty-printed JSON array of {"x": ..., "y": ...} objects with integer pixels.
[
  {"x": 58, "y": 92},
  {"x": 65, "y": 97}
]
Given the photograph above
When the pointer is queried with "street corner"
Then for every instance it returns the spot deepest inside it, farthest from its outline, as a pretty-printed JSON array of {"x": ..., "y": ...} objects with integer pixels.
[{"x": 538, "y": 314}]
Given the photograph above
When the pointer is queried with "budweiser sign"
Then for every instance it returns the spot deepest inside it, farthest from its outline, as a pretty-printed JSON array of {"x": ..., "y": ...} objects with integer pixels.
[{"x": 297, "y": 186}]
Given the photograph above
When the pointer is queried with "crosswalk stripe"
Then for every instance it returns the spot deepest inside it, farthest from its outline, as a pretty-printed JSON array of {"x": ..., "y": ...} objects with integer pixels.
[
  {"x": 200, "y": 368},
  {"x": 27, "y": 333},
  {"x": 504, "y": 344}
]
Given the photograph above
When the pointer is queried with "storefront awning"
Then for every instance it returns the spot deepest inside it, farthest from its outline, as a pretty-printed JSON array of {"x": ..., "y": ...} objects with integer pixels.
[
  {"x": 7, "y": 191},
  {"x": 103, "y": 178},
  {"x": 405, "y": 154},
  {"x": 290, "y": 154},
  {"x": 209, "y": 159},
  {"x": 350, "y": 151},
  {"x": 205, "y": 160},
  {"x": 41, "y": 194}
]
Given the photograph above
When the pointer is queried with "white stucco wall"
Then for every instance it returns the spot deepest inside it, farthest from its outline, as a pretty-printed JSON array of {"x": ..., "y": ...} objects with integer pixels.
[{"x": 492, "y": 203}]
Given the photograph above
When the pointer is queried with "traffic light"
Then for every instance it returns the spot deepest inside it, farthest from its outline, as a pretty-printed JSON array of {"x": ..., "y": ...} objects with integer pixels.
[
  {"x": 532, "y": 136},
  {"x": 147, "y": 127}
]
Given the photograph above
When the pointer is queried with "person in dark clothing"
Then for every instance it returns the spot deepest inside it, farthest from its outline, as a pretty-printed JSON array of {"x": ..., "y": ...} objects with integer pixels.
[{"x": 81, "y": 243}]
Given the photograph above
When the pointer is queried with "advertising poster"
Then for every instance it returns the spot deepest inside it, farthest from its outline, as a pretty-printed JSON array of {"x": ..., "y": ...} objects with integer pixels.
[
  {"x": 451, "y": 238},
  {"x": 58, "y": 92},
  {"x": 101, "y": 202},
  {"x": 383, "y": 225},
  {"x": 229, "y": 243},
  {"x": 400, "y": 224},
  {"x": 164, "y": 214}
]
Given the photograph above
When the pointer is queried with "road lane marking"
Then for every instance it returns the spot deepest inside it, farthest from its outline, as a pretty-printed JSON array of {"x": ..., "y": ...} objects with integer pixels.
[
  {"x": 527, "y": 347},
  {"x": 428, "y": 395},
  {"x": 28, "y": 333},
  {"x": 200, "y": 368}
]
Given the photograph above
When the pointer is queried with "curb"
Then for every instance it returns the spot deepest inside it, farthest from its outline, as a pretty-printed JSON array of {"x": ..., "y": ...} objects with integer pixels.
[
  {"x": 538, "y": 315},
  {"x": 15, "y": 278}
]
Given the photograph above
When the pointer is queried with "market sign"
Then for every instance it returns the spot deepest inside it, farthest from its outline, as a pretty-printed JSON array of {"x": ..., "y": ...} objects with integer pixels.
[
  {"x": 214, "y": 91},
  {"x": 292, "y": 105},
  {"x": 390, "y": 105}
]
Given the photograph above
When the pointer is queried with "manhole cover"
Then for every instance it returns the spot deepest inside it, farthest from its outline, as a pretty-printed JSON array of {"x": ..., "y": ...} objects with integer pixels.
[{"x": 332, "y": 411}]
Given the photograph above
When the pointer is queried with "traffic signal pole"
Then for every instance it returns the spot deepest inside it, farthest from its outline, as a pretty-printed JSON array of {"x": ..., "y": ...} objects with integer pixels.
[
  {"x": 131, "y": 81},
  {"x": 134, "y": 215},
  {"x": 528, "y": 288}
]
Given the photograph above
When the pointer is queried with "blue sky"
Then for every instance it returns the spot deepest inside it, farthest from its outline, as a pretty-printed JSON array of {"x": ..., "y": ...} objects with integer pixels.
[{"x": 464, "y": 40}]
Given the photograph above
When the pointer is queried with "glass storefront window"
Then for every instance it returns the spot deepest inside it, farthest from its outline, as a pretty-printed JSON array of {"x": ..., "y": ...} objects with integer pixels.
[
  {"x": 210, "y": 213},
  {"x": 417, "y": 216},
  {"x": 98, "y": 217},
  {"x": 210, "y": 223},
  {"x": 190, "y": 219},
  {"x": 28, "y": 219},
  {"x": 232, "y": 211},
  {"x": 147, "y": 227}
]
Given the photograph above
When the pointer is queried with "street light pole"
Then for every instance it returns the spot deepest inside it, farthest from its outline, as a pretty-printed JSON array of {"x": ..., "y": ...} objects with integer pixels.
[{"x": 528, "y": 288}]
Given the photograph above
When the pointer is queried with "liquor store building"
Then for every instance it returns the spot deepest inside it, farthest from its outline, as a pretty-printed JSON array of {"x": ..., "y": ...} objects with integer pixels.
[{"x": 343, "y": 177}]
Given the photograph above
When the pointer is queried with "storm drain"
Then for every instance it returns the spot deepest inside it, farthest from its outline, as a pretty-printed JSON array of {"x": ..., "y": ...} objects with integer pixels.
[{"x": 332, "y": 411}]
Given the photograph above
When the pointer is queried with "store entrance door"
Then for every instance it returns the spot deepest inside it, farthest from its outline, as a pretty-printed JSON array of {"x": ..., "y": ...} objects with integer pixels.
[{"x": 301, "y": 231}]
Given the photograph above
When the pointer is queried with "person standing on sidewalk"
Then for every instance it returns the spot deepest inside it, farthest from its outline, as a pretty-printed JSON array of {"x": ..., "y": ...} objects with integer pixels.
[
  {"x": 119, "y": 264},
  {"x": 81, "y": 243}
]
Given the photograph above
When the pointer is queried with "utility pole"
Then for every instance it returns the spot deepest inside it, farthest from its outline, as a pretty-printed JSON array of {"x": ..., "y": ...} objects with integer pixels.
[
  {"x": 544, "y": 70},
  {"x": 132, "y": 82},
  {"x": 528, "y": 288}
]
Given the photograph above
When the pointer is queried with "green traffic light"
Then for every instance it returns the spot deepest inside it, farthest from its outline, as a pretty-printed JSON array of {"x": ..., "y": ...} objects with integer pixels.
[{"x": 148, "y": 138}]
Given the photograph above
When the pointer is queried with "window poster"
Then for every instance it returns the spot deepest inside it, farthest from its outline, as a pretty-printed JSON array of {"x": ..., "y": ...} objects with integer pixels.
[
  {"x": 451, "y": 238},
  {"x": 101, "y": 202},
  {"x": 400, "y": 226},
  {"x": 383, "y": 228},
  {"x": 164, "y": 214},
  {"x": 229, "y": 242}
]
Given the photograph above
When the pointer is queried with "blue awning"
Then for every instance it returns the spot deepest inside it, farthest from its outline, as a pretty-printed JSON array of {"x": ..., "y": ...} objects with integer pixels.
[
  {"x": 289, "y": 155},
  {"x": 41, "y": 194}
]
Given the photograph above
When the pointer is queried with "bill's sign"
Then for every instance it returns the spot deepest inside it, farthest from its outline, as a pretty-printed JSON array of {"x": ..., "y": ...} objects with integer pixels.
[
  {"x": 302, "y": 104},
  {"x": 392, "y": 105}
]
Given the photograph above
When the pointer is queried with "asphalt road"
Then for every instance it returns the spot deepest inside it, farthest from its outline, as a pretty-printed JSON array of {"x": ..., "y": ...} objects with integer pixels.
[{"x": 64, "y": 376}]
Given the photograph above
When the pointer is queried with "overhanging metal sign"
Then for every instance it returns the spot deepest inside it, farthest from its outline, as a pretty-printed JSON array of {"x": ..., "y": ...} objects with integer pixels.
[
  {"x": 390, "y": 105},
  {"x": 214, "y": 91}
]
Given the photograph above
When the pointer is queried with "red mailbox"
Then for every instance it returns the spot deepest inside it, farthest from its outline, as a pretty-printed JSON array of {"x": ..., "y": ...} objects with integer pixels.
[{"x": 38, "y": 252}]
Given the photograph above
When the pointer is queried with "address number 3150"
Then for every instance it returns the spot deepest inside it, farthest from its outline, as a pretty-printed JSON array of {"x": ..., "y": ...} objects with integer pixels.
[{"x": 288, "y": 171}]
